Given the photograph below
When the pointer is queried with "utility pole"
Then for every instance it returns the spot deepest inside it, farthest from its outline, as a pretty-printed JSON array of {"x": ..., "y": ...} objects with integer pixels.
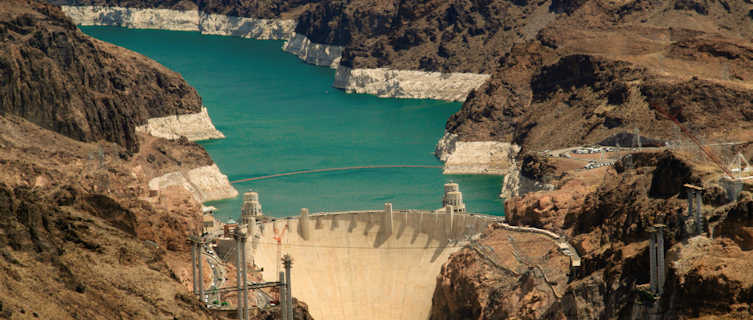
[
  {"x": 243, "y": 274},
  {"x": 199, "y": 269},
  {"x": 288, "y": 263},
  {"x": 238, "y": 271},
  {"x": 282, "y": 299}
]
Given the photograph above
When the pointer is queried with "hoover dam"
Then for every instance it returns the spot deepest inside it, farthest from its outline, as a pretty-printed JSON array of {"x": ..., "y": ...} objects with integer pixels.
[
  {"x": 370, "y": 264},
  {"x": 365, "y": 264}
]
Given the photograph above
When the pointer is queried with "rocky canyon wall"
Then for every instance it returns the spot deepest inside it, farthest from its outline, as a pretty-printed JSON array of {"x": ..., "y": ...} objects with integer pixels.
[
  {"x": 81, "y": 236},
  {"x": 383, "y": 82}
]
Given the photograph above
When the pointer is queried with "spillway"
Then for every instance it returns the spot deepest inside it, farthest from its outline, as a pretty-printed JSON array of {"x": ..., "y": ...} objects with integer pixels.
[{"x": 364, "y": 264}]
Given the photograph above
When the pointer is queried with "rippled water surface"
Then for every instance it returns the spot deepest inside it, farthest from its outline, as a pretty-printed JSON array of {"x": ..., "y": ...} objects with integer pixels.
[{"x": 281, "y": 115}]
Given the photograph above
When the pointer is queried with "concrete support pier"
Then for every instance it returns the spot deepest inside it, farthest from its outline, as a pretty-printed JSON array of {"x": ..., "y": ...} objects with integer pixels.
[
  {"x": 305, "y": 224},
  {"x": 657, "y": 268},
  {"x": 652, "y": 262},
  {"x": 695, "y": 193},
  {"x": 698, "y": 213},
  {"x": 387, "y": 223}
]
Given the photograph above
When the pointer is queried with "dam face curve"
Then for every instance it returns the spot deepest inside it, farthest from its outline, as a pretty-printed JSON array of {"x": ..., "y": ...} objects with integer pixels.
[{"x": 364, "y": 264}]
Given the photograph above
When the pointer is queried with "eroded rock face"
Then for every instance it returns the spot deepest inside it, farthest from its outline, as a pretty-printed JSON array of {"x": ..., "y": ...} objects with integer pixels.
[
  {"x": 475, "y": 157},
  {"x": 504, "y": 275},
  {"x": 194, "y": 127},
  {"x": 408, "y": 83},
  {"x": 63, "y": 80},
  {"x": 702, "y": 268},
  {"x": 585, "y": 77},
  {"x": 606, "y": 216},
  {"x": 573, "y": 103},
  {"x": 135, "y": 18},
  {"x": 738, "y": 224},
  {"x": 313, "y": 53},
  {"x": 300, "y": 312},
  {"x": 81, "y": 236},
  {"x": 459, "y": 36}
]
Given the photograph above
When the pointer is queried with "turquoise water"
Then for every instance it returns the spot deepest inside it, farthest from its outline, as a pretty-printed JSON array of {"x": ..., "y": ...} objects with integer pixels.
[{"x": 280, "y": 115}]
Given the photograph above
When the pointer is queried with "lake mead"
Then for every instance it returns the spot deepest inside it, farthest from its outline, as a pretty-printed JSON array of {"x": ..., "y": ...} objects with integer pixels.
[{"x": 281, "y": 115}]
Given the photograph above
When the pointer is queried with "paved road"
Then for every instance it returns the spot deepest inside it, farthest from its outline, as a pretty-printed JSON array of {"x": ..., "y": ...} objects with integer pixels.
[{"x": 218, "y": 275}]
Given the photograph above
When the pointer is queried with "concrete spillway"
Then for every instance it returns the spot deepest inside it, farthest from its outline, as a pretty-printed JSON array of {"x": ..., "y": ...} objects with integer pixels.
[{"x": 365, "y": 264}]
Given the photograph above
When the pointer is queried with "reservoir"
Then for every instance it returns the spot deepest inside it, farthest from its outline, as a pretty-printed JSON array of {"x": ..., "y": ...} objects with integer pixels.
[{"x": 281, "y": 115}]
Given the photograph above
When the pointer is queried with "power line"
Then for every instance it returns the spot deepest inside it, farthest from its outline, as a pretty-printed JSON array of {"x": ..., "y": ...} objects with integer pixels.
[{"x": 333, "y": 169}]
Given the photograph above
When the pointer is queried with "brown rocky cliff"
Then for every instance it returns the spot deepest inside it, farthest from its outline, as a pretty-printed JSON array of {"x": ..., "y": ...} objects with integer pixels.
[
  {"x": 455, "y": 36},
  {"x": 80, "y": 238},
  {"x": 57, "y": 77},
  {"x": 503, "y": 275},
  {"x": 607, "y": 221},
  {"x": 80, "y": 235},
  {"x": 600, "y": 68}
]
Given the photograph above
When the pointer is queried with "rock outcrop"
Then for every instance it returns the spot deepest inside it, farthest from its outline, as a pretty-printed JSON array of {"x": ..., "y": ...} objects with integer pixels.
[
  {"x": 475, "y": 157},
  {"x": 135, "y": 18},
  {"x": 81, "y": 236},
  {"x": 503, "y": 275},
  {"x": 384, "y": 82},
  {"x": 253, "y": 28},
  {"x": 195, "y": 127},
  {"x": 313, "y": 53},
  {"x": 597, "y": 70},
  {"x": 57, "y": 77},
  {"x": 205, "y": 183},
  {"x": 181, "y": 20},
  {"x": 606, "y": 214}
]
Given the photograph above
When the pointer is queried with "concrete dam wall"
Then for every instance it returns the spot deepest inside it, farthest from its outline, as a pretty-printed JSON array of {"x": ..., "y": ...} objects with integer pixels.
[{"x": 364, "y": 264}]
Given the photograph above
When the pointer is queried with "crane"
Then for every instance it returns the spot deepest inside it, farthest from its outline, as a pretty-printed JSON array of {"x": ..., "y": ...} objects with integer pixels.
[{"x": 662, "y": 111}]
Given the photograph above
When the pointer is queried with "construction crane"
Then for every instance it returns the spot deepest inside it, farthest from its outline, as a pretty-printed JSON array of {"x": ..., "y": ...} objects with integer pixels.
[{"x": 663, "y": 111}]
